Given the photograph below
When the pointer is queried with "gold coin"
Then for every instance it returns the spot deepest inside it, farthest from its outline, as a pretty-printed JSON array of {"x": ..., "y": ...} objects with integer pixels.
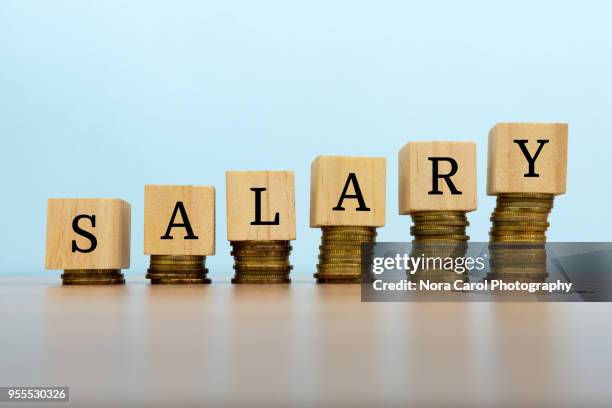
[
  {"x": 440, "y": 240},
  {"x": 94, "y": 276},
  {"x": 515, "y": 232},
  {"x": 262, "y": 248},
  {"x": 114, "y": 281},
  {"x": 174, "y": 261},
  {"x": 437, "y": 213},
  {"x": 337, "y": 280},
  {"x": 527, "y": 204},
  {"x": 438, "y": 231},
  {"x": 442, "y": 223},
  {"x": 526, "y": 195},
  {"x": 521, "y": 218},
  {"x": 263, "y": 252},
  {"x": 192, "y": 258},
  {"x": 346, "y": 242},
  {"x": 356, "y": 245},
  {"x": 517, "y": 239},
  {"x": 92, "y": 272},
  {"x": 176, "y": 268},
  {"x": 522, "y": 208},
  {"x": 427, "y": 227},
  {"x": 273, "y": 260},
  {"x": 180, "y": 281},
  {"x": 339, "y": 256},
  {"x": 262, "y": 280},
  {"x": 264, "y": 266},
  {"x": 81, "y": 271},
  {"x": 525, "y": 228},
  {"x": 347, "y": 235},
  {"x": 257, "y": 244},
  {"x": 369, "y": 234},
  {"x": 531, "y": 198},
  {"x": 338, "y": 272},
  {"x": 353, "y": 264},
  {"x": 349, "y": 228},
  {"x": 522, "y": 223},
  {"x": 175, "y": 275}
]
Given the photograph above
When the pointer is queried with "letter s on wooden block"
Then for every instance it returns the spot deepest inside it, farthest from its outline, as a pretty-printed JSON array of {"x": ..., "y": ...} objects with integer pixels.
[
  {"x": 435, "y": 176},
  {"x": 260, "y": 205},
  {"x": 88, "y": 233},
  {"x": 179, "y": 220},
  {"x": 527, "y": 158},
  {"x": 348, "y": 191}
]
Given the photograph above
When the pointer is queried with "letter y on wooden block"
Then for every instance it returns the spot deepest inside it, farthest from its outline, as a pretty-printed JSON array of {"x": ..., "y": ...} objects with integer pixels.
[
  {"x": 88, "y": 233},
  {"x": 527, "y": 158}
]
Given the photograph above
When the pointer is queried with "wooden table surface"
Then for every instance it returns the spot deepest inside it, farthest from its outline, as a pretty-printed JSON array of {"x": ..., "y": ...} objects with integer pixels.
[{"x": 298, "y": 345}]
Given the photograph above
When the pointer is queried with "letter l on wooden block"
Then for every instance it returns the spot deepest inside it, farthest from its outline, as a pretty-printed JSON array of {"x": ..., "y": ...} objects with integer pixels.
[{"x": 260, "y": 205}]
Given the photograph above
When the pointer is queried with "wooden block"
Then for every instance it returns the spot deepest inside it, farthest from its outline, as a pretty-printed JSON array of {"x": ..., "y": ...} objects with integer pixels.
[
  {"x": 179, "y": 220},
  {"x": 348, "y": 191},
  {"x": 88, "y": 233},
  {"x": 527, "y": 158},
  {"x": 437, "y": 176},
  {"x": 260, "y": 205}
]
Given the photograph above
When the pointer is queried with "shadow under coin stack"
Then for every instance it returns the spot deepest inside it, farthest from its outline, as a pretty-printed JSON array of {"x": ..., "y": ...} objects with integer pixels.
[
  {"x": 438, "y": 235},
  {"x": 177, "y": 269},
  {"x": 93, "y": 277},
  {"x": 341, "y": 253},
  {"x": 518, "y": 237},
  {"x": 261, "y": 261}
]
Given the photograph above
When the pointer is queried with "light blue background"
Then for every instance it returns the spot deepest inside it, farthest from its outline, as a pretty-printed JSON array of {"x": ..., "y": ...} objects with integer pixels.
[{"x": 99, "y": 98}]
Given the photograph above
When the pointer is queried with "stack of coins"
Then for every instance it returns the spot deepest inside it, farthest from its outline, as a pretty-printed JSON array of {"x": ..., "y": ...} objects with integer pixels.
[
  {"x": 177, "y": 269},
  {"x": 438, "y": 236},
  {"x": 444, "y": 227},
  {"x": 517, "y": 262},
  {"x": 518, "y": 237},
  {"x": 521, "y": 217},
  {"x": 340, "y": 256},
  {"x": 93, "y": 277},
  {"x": 261, "y": 261}
]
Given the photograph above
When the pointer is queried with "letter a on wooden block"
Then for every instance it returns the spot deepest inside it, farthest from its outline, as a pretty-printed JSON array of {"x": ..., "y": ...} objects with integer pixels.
[
  {"x": 179, "y": 220},
  {"x": 260, "y": 205},
  {"x": 88, "y": 233},
  {"x": 347, "y": 191},
  {"x": 437, "y": 176},
  {"x": 527, "y": 158}
]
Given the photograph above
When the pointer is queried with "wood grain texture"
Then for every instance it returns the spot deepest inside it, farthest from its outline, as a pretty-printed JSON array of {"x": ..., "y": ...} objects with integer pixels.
[
  {"x": 279, "y": 197},
  {"x": 112, "y": 232},
  {"x": 416, "y": 176},
  {"x": 508, "y": 165},
  {"x": 328, "y": 178},
  {"x": 160, "y": 202}
]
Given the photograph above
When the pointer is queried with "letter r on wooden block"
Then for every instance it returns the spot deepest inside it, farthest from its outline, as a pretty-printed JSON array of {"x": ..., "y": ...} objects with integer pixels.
[
  {"x": 435, "y": 176},
  {"x": 347, "y": 191},
  {"x": 527, "y": 158},
  {"x": 260, "y": 205},
  {"x": 88, "y": 233},
  {"x": 179, "y": 220}
]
